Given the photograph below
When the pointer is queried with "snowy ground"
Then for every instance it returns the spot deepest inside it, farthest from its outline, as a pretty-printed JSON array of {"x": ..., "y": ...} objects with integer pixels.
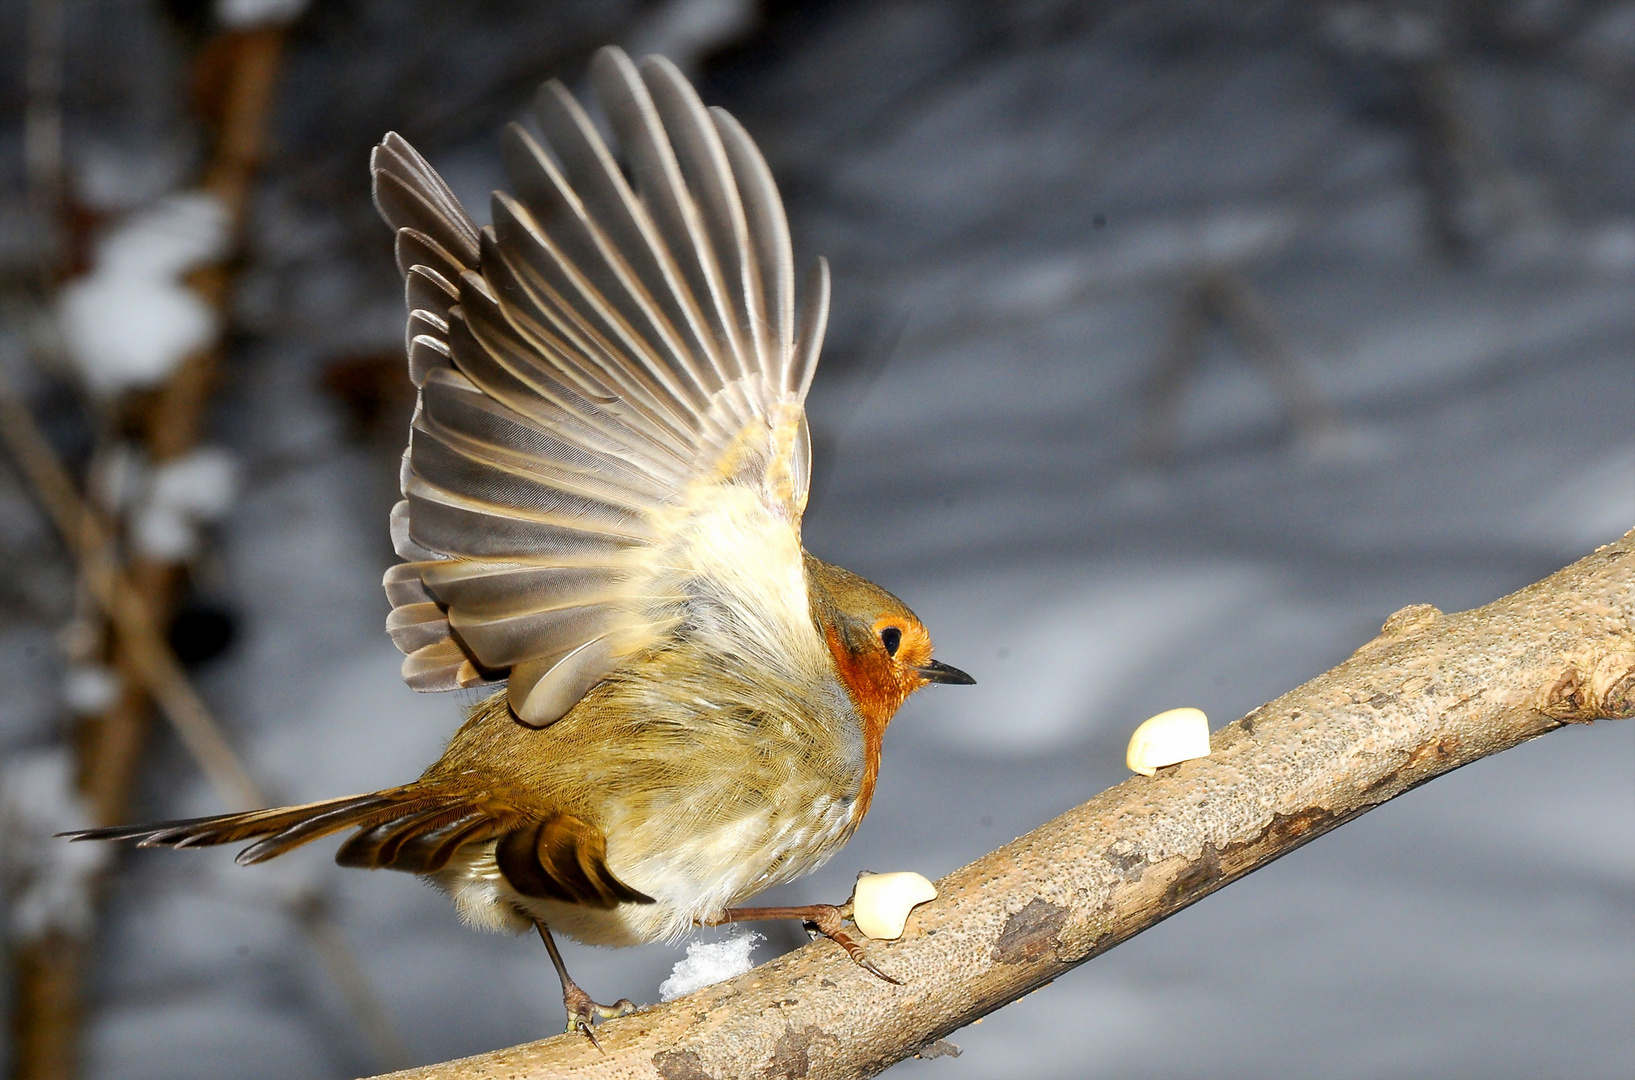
[{"x": 1008, "y": 251}]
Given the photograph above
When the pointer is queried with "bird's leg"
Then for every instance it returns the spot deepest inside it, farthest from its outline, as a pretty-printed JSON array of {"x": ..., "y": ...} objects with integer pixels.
[
  {"x": 825, "y": 918},
  {"x": 582, "y": 1011}
]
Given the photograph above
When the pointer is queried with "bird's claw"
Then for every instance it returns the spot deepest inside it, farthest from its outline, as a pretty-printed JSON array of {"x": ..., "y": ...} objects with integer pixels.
[
  {"x": 827, "y": 920},
  {"x": 583, "y": 1012}
]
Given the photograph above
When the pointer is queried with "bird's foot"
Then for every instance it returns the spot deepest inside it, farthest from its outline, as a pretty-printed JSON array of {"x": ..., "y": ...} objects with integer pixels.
[
  {"x": 826, "y": 919},
  {"x": 583, "y": 1012}
]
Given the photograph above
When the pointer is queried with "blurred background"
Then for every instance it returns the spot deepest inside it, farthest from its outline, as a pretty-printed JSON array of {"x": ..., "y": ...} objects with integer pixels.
[{"x": 1175, "y": 345}]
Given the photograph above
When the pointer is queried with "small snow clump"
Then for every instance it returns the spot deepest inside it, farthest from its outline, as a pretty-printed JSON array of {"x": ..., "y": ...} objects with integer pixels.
[
  {"x": 47, "y": 879},
  {"x": 249, "y": 14},
  {"x": 182, "y": 495},
  {"x": 90, "y": 689},
  {"x": 709, "y": 962},
  {"x": 131, "y": 320}
]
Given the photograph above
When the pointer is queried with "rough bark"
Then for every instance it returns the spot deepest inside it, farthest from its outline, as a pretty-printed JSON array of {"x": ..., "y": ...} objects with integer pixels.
[{"x": 1431, "y": 693}]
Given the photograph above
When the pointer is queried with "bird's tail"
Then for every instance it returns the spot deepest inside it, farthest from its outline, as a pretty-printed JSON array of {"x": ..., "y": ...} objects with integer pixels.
[{"x": 415, "y": 828}]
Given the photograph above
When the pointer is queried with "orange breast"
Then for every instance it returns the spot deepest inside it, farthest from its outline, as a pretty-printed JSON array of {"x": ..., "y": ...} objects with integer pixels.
[{"x": 874, "y": 691}]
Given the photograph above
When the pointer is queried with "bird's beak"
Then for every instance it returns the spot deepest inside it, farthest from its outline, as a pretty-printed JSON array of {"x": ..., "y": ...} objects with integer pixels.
[{"x": 937, "y": 671}]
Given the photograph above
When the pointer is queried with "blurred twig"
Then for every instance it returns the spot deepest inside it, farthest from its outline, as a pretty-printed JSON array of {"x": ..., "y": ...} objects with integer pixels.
[
  {"x": 92, "y": 543},
  {"x": 1223, "y": 294},
  {"x": 150, "y": 657}
]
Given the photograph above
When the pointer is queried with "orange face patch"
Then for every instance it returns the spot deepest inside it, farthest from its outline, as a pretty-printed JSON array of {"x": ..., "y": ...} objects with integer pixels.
[{"x": 913, "y": 649}]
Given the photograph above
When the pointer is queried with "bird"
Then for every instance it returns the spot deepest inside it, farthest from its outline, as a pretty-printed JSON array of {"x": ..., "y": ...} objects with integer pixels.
[{"x": 603, "y": 488}]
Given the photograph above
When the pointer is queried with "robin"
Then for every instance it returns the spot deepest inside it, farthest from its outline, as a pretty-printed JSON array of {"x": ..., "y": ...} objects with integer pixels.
[{"x": 603, "y": 491}]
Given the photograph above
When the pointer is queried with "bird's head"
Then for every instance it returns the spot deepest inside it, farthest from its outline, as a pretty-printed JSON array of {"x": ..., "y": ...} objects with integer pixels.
[{"x": 881, "y": 650}]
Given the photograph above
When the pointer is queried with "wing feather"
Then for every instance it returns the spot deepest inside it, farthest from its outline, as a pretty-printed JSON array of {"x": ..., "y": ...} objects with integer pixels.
[
  {"x": 427, "y": 353},
  {"x": 591, "y": 341},
  {"x": 426, "y": 289},
  {"x": 502, "y": 365},
  {"x": 530, "y": 492},
  {"x": 625, "y": 223},
  {"x": 502, "y": 590},
  {"x": 410, "y": 195},
  {"x": 444, "y": 666},
  {"x": 619, "y": 344},
  {"x": 414, "y": 248},
  {"x": 543, "y": 689},
  {"x": 707, "y": 174},
  {"x": 440, "y": 519},
  {"x": 769, "y": 232},
  {"x": 814, "y": 317},
  {"x": 545, "y": 206},
  {"x": 414, "y": 626},
  {"x": 456, "y": 409},
  {"x": 629, "y": 106},
  {"x": 517, "y": 638}
]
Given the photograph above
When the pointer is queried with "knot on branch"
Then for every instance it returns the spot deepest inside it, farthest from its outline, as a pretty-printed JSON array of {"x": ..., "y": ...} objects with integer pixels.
[
  {"x": 1618, "y": 703},
  {"x": 1410, "y": 620},
  {"x": 1613, "y": 685},
  {"x": 1606, "y": 693},
  {"x": 1403, "y": 623},
  {"x": 792, "y": 1057},
  {"x": 680, "y": 1065}
]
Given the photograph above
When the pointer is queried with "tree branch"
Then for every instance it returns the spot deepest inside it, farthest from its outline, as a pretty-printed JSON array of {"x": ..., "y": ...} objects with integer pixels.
[{"x": 1431, "y": 693}]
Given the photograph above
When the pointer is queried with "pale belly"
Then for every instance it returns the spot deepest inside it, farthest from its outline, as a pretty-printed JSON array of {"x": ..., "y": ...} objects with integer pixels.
[{"x": 693, "y": 875}]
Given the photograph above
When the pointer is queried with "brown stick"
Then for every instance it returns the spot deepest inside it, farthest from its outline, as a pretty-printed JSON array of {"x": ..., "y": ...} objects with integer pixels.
[
  {"x": 148, "y": 656},
  {"x": 1430, "y": 693},
  {"x": 145, "y": 650}
]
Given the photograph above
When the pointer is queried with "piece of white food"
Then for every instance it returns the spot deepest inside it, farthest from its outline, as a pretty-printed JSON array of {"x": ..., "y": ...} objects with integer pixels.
[
  {"x": 1168, "y": 739},
  {"x": 881, "y": 903}
]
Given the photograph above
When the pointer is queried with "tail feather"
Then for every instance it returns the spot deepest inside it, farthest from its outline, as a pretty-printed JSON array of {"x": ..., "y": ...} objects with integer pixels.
[
  {"x": 366, "y": 814},
  {"x": 414, "y": 828},
  {"x": 279, "y": 829},
  {"x": 421, "y": 844}
]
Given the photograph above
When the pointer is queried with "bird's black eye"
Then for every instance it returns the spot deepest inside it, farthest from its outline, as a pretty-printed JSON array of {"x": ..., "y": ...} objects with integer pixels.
[{"x": 891, "y": 638}]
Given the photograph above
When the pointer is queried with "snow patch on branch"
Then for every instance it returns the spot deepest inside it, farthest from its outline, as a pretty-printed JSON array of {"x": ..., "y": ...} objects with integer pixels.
[
  {"x": 708, "y": 962},
  {"x": 131, "y": 320}
]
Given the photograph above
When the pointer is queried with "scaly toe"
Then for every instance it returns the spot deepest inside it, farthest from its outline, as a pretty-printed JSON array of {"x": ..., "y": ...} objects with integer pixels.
[
  {"x": 859, "y": 957},
  {"x": 583, "y": 1013},
  {"x": 828, "y": 921},
  {"x": 622, "y": 1007}
]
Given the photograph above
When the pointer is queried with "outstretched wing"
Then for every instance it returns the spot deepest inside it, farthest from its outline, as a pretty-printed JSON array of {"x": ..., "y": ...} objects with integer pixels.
[{"x": 618, "y": 337}]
